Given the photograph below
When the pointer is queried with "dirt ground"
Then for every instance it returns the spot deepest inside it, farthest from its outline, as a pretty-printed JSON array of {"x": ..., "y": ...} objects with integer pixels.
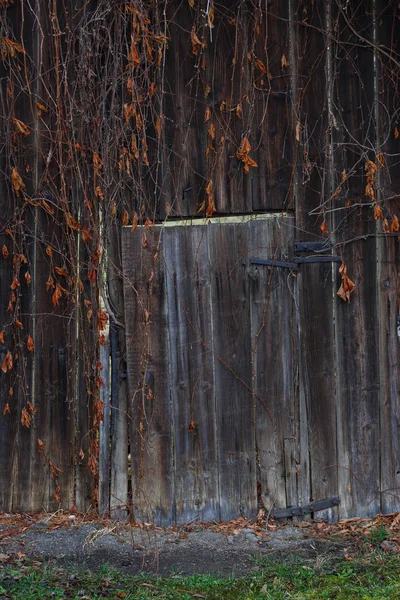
[{"x": 234, "y": 549}]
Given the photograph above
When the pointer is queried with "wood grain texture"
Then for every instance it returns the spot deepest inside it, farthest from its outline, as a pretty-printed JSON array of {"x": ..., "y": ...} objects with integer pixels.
[
  {"x": 272, "y": 181},
  {"x": 147, "y": 352},
  {"x": 271, "y": 298},
  {"x": 188, "y": 277},
  {"x": 356, "y": 323},
  {"x": 119, "y": 385},
  {"x": 228, "y": 248},
  {"x": 315, "y": 342},
  {"x": 388, "y": 264}
]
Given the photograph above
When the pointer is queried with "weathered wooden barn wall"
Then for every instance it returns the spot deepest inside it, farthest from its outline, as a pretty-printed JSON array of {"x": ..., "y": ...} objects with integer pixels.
[{"x": 195, "y": 174}]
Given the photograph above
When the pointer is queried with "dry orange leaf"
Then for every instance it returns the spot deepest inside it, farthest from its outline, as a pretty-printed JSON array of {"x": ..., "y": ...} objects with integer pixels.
[
  {"x": 378, "y": 213},
  {"x": 61, "y": 271},
  {"x": 4, "y": 251},
  {"x": 395, "y": 224},
  {"x": 7, "y": 364},
  {"x": 26, "y": 418},
  {"x": 30, "y": 343},
  {"x": 15, "y": 283},
  {"x": 244, "y": 155},
  {"x": 324, "y": 227},
  {"x": 1, "y": 337},
  {"x": 28, "y": 278},
  {"x": 102, "y": 319},
  {"x": 135, "y": 221},
  {"x": 21, "y": 128},
  {"x": 261, "y": 65},
  {"x": 41, "y": 445},
  {"x": 56, "y": 295},
  {"x": 7, "y": 409},
  {"x": 41, "y": 108},
  {"x": 125, "y": 218},
  {"x": 396, "y": 133},
  {"x": 347, "y": 286},
  {"x": 17, "y": 182},
  {"x": 10, "y": 48}
]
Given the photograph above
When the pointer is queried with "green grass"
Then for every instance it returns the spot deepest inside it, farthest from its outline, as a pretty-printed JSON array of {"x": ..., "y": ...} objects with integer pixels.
[{"x": 366, "y": 577}]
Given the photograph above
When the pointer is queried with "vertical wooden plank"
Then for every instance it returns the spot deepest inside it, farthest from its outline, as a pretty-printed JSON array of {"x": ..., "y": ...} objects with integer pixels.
[
  {"x": 316, "y": 343},
  {"x": 273, "y": 355},
  {"x": 147, "y": 353},
  {"x": 228, "y": 250},
  {"x": 388, "y": 282},
  {"x": 187, "y": 272},
  {"x": 119, "y": 389},
  {"x": 272, "y": 181},
  {"x": 356, "y": 323},
  {"x": 105, "y": 430}
]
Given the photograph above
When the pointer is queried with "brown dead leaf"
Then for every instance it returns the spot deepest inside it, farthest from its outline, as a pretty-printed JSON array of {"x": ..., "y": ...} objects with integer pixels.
[
  {"x": 394, "y": 227},
  {"x": 30, "y": 343},
  {"x": 21, "y": 128},
  {"x": 102, "y": 319},
  {"x": 41, "y": 445},
  {"x": 1, "y": 337},
  {"x": 7, "y": 364},
  {"x": 17, "y": 182},
  {"x": 135, "y": 221},
  {"x": 4, "y": 251},
  {"x": 26, "y": 418},
  {"x": 125, "y": 218},
  {"x": 347, "y": 286},
  {"x": 378, "y": 213},
  {"x": 244, "y": 155},
  {"x": 10, "y": 48},
  {"x": 56, "y": 295},
  {"x": 6, "y": 410},
  {"x": 28, "y": 278},
  {"x": 40, "y": 108},
  {"x": 324, "y": 227}
]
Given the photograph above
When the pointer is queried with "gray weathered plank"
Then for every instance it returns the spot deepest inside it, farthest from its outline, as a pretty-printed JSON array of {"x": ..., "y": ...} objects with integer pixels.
[
  {"x": 271, "y": 297},
  {"x": 388, "y": 281},
  {"x": 228, "y": 248},
  {"x": 148, "y": 376},
  {"x": 356, "y": 323},
  {"x": 188, "y": 286}
]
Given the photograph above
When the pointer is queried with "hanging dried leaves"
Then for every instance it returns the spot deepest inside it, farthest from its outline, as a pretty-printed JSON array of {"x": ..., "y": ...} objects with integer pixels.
[
  {"x": 197, "y": 45},
  {"x": 40, "y": 108},
  {"x": 58, "y": 292},
  {"x": 41, "y": 445},
  {"x": 378, "y": 212},
  {"x": 210, "y": 199},
  {"x": 7, "y": 410},
  {"x": 26, "y": 418},
  {"x": 7, "y": 364},
  {"x": 394, "y": 227},
  {"x": 10, "y": 48},
  {"x": 17, "y": 182},
  {"x": 347, "y": 286},
  {"x": 371, "y": 170},
  {"x": 135, "y": 221},
  {"x": 102, "y": 320},
  {"x": 244, "y": 155},
  {"x": 1, "y": 337},
  {"x": 30, "y": 343},
  {"x": 125, "y": 218},
  {"x": 28, "y": 278},
  {"x": 4, "y": 251},
  {"x": 20, "y": 127},
  {"x": 324, "y": 227}
]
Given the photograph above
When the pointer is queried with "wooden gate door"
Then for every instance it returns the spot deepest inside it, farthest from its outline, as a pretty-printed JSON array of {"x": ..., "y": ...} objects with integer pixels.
[{"x": 211, "y": 368}]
